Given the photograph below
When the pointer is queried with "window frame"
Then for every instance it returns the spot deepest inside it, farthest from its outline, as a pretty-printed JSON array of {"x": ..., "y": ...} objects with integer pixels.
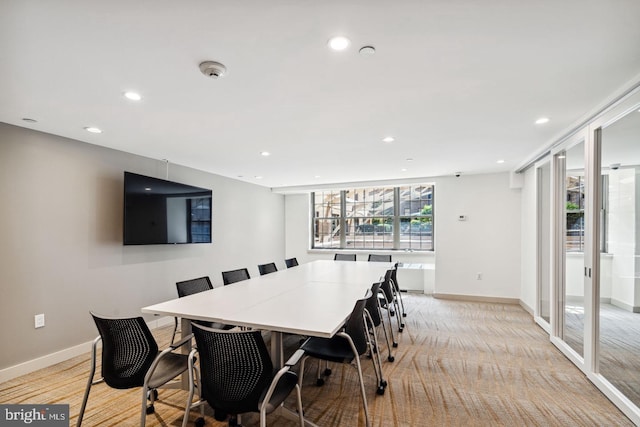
[{"x": 369, "y": 219}]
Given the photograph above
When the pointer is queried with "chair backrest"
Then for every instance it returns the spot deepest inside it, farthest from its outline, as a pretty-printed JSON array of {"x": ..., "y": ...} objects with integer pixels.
[
  {"x": 235, "y": 368},
  {"x": 233, "y": 276},
  {"x": 344, "y": 257},
  {"x": 291, "y": 262},
  {"x": 372, "y": 304},
  {"x": 356, "y": 327},
  {"x": 394, "y": 277},
  {"x": 193, "y": 286},
  {"x": 128, "y": 350},
  {"x": 386, "y": 285},
  {"x": 267, "y": 268},
  {"x": 379, "y": 258}
]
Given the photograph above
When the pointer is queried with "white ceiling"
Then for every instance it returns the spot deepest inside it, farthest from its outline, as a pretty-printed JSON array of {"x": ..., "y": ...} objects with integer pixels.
[{"x": 458, "y": 83}]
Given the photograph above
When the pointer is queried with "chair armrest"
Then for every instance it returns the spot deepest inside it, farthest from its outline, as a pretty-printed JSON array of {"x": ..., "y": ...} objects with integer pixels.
[
  {"x": 295, "y": 358},
  {"x": 160, "y": 355},
  {"x": 182, "y": 342}
]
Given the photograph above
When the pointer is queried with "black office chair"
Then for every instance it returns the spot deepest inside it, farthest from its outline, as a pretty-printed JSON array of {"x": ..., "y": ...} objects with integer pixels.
[
  {"x": 396, "y": 286},
  {"x": 344, "y": 257},
  {"x": 267, "y": 268},
  {"x": 237, "y": 375},
  {"x": 195, "y": 286},
  {"x": 379, "y": 258},
  {"x": 233, "y": 276},
  {"x": 389, "y": 300},
  {"x": 375, "y": 312},
  {"x": 291, "y": 262},
  {"x": 344, "y": 347},
  {"x": 130, "y": 358}
]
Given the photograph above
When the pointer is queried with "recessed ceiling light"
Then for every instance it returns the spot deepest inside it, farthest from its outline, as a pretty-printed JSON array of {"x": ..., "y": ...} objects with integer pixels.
[
  {"x": 542, "y": 120},
  {"x": 134, "y": 96},
  {"x": 147, "y": 189},
  {"x": 338, "y": 43},
  {"x": 409, "y": 159},
  {"x": 93, "y": 129},
  {"x": 28, "y": 120},
  {"x": 403, "y": 170},
  {"x": 388, "y": 139},
  {"x": 317, "y": 176},
  {"x": 562, "y": 156},
  {"x": 265, "y": 153},
  {"x": 500, "y": 161},
  {"x": 367, "y": 51}
]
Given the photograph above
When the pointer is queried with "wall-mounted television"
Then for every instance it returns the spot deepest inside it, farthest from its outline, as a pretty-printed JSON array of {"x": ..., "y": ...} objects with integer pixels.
[{"x": 157, "y": 211}]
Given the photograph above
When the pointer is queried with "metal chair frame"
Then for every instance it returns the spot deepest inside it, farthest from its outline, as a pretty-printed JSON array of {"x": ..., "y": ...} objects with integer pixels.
[{"x": 148, "y": 392}]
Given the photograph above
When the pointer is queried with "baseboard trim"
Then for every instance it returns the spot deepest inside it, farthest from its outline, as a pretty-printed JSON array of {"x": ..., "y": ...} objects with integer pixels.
[
  {"x": 625, "y": 306},
  {"x": 47, "y": 360},
  {"x": 526, "y": 307},
  {"x": 474, "y": 298}
]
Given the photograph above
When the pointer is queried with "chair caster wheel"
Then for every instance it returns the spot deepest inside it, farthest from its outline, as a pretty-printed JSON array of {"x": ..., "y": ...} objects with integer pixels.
[
  {"x": 319, "y": 382},
  {"x": 380, "y": 391},
  {"x": 395, "y": 345},
  {"x": 200, "y": 422},
  {"x": 150, "y": 409},
  {"x": 391, "y": 358},
  {"x": 400, "y": 329},
  {"x": 392, "y": 313},
  {"x": 404, "y": 314},
  {"x": 383, "y": 383},
  {"x": 154, "y": 392},
  {"x": 327, "y": 372},
  {"x": 402, "y": 325}
]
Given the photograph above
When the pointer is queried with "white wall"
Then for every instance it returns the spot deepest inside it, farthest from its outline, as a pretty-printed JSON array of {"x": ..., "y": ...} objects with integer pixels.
[
  {"x": 622, "y": 234},
  {"x": 529, "y": 270},
  {"x": 62, "y": 252},
  {"x": 488, "y": 242}
]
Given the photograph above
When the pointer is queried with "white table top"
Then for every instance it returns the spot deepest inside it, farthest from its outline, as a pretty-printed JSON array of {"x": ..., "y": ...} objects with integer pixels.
[{"x": 313, "y": 299}]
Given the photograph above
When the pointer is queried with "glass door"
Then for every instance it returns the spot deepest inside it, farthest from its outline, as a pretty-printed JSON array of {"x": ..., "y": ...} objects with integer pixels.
[
  {"x": 543, "y": 312},
  {"x": 619, "y": 244},
  {"x": 573, "y": 300}
]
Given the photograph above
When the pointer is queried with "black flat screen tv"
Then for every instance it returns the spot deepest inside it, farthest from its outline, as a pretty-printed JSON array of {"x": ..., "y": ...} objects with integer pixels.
[{"x": 159, "y": 212}]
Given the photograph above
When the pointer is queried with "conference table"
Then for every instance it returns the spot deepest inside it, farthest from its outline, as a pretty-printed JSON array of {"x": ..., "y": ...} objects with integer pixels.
[{"x": 311, "y": 299}]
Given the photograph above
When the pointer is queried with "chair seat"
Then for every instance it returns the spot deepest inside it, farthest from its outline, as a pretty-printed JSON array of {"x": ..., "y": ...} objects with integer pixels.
[
  {"x": 285, "y": 386},
  {"x": 336, "y": 349},
  {"x": 170, "y": 366}
]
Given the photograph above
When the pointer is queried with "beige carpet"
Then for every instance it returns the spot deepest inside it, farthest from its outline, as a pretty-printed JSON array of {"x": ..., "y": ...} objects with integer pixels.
[{"x": 457, "y": 364}]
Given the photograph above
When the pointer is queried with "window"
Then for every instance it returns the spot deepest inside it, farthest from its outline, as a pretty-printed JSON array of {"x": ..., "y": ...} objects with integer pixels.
[
  {"x": 374, "y": 218},
  {"x": 574, "y": 211},
  {"x": 200, "y": 214}
]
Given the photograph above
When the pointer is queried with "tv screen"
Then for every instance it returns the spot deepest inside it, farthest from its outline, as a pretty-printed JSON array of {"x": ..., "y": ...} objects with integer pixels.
[{"x": 158, "y": 212}]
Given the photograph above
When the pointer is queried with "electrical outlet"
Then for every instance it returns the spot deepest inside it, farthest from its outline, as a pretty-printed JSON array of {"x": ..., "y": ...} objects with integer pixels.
[
  {"x": 39, "y": 320},
  {"x": 479, "y": 276}
]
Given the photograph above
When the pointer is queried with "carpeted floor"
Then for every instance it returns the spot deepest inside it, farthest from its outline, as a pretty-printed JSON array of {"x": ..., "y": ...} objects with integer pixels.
[{"x": 457, "y": 364}]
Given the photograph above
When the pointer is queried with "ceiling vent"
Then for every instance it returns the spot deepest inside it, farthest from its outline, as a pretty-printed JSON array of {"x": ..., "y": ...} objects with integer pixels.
[{"x": 213, "y": 69}]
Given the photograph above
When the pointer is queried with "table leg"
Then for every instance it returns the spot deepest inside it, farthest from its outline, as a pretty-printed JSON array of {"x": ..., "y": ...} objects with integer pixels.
[
  {"x": 185, "y": 326},
  {"x": 277, "y": 357},
  {"x": 277, "y": 352}
]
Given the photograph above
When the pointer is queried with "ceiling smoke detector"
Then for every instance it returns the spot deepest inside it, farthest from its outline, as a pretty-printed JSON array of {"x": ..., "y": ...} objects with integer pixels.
[{"x": 213, "y": 69}]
